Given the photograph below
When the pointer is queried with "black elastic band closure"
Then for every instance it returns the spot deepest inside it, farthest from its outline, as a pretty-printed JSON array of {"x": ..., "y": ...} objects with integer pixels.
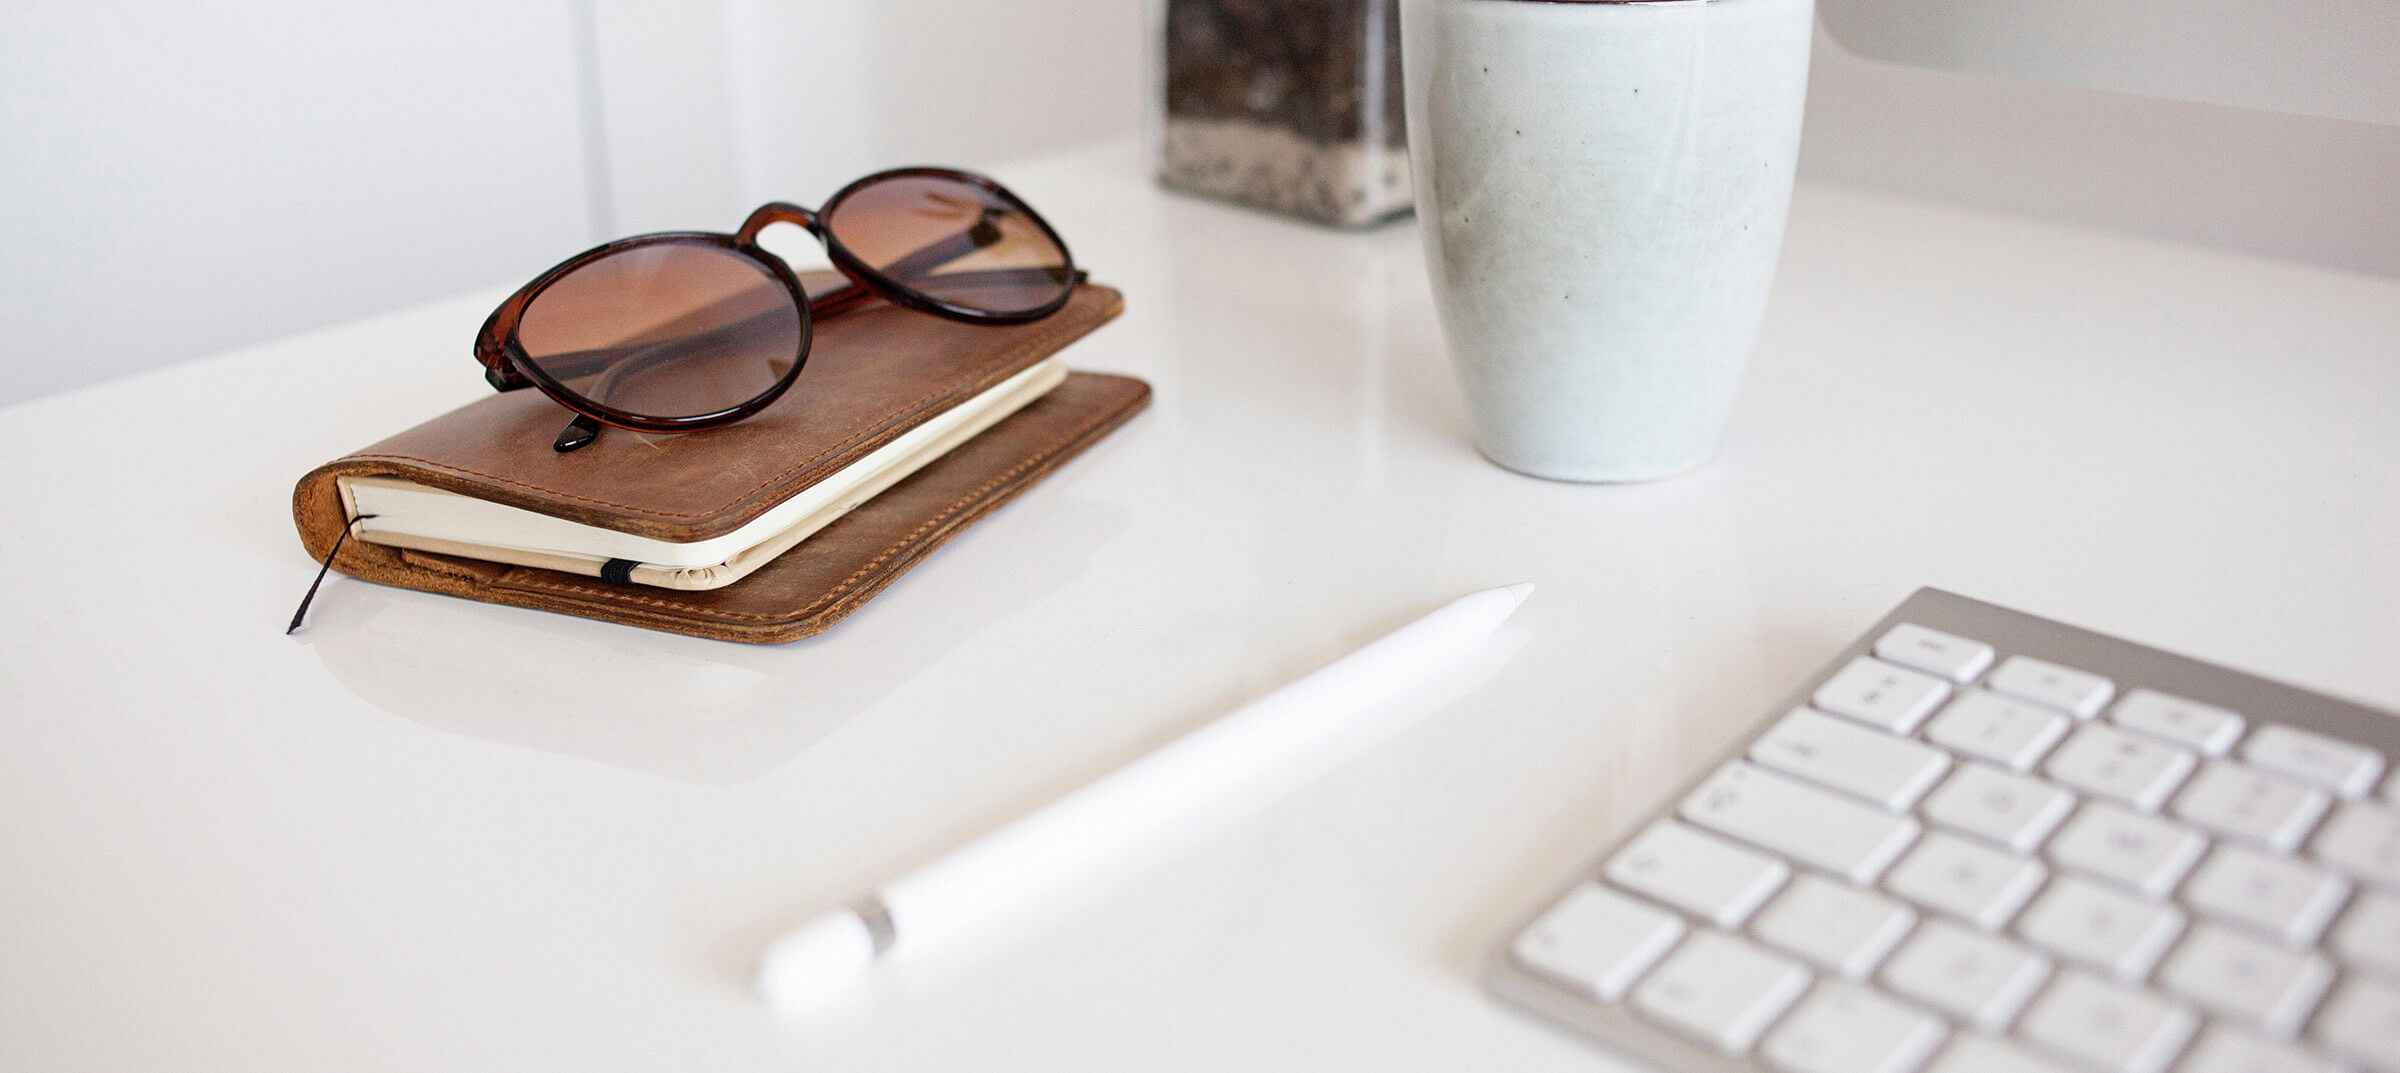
[
  {"x": 618, "y": 571},
  {"x": 321, "y": 572},
  {"x": 878, "y": 918}
]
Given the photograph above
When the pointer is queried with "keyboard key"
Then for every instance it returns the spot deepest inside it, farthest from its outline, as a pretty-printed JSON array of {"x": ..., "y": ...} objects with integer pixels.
[
  {"x": 1844, "y": 1028},
  {"x": 1971, "y": 1053},
  {"x": 2083, "y": 921},
  {"x": 2109, "y": 1027},
  {"x": 1934, "y": 652},
  {"x": 1720, "y": 991},
  {"x": 2257, "y": 982},
  {"x": 2363, "y": 840},
  {"x": 1842, "y": 755},
  {"x": 2011, "y": 810},
  {"x": 2042, "y": 682},
  {"x": 2188, "y": 723},
  {"x": 1596, "y": 941},
  {"x": 1841, "y": 929},
  {"x": 2278, "y": 895},
  {"x": 1700, "y": 874},
  {"x": 2346, "y": 769},
  {"x": 1883, "y": 696},
  {"x": 2225, "y": 1050},
  {"x": 1971, "y": 975},
  {"x": 2012, "y": 733},
  {"x": 2246, "y": 803},
  {"x": 1982, "y": 886},
  {"x": 2103, "y": 760},
  {"x": 2143, "y": 852},
  {"x": 1781, "y": 815},
  {"x": 2362, "y": 1021},
  {"x": 2370, "y": 934}
]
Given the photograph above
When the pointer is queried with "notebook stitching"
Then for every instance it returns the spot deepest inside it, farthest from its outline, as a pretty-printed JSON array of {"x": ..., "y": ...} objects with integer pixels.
[
  {"x": 619, "y": 595},
  {"x": 1030, "y": 344}
]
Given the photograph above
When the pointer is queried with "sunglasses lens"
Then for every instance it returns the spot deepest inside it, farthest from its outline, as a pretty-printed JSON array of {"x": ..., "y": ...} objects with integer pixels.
[
  {"x": 666, "y": 330},
  {"x": 957, "y": 242}
]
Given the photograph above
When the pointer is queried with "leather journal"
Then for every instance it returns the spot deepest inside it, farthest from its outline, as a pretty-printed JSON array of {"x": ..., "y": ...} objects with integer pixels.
[{"x": 872, "y": 377}]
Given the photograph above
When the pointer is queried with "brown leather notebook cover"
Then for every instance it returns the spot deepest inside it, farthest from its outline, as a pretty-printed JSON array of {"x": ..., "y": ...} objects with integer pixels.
[{"x": 872, "y": 375}]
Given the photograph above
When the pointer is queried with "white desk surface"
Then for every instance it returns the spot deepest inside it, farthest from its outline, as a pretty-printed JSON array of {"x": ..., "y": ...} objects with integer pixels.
[{"x": 432, "y": 834}]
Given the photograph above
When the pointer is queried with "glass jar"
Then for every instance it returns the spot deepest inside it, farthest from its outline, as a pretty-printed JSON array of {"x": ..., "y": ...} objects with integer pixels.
[{"x": 1288, "y": 105}]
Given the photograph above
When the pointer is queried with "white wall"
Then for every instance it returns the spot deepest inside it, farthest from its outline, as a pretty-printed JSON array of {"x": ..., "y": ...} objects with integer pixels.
[
  {"x": 712, "y": 106},
  {"x": 177, "y": 180}
]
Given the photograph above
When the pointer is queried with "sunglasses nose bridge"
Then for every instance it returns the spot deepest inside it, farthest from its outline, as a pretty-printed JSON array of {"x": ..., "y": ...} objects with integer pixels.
[{"x": 776, "y": 212}]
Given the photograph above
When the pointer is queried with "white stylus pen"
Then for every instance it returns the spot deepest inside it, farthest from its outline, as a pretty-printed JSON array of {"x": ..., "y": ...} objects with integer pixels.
[{"x": 1220, "y": 771}]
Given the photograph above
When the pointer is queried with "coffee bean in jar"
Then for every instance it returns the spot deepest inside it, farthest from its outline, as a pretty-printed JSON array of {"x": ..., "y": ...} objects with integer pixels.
[{"x": 1289, "y": 105}]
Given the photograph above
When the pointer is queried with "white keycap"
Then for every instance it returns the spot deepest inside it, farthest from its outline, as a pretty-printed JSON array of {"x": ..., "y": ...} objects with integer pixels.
[
  {"x": 1596, "y": 941},
  {"x": 1971, "y": 1053},
  {"x": 2246, "y": 803},
  {"x": 1883, "y": 696},
  {"x": 1720, "y": 990},
  {"x": 2278, "y": 895},
  {"x": 1698, "y": 873},
  {"x": 1841, "y": 929},
  {"x": 1844, "y": 1028},
  {"x": 2042, "y": 682},
  {"x": 2012, "y": 733},
  {"x": 2083, "y": 921},
  {"x": 2189, "y": 723},
  {"x": 2337, "y": 765},
  {"x": 2011, "y": 810},
  {"x": 2143, "y": 852},
  {"x": 1840, "y": 754},
  {"x": 2259, "y": 983},
  {"x": 1775, "y": 812},
  {"x": 2369, "y": 936},
  {"x": 2111, "y": 1028},
  {"x": 2363, "y": 840},
  {"x": 1973, "y": 976},
  {"x": 2362, "y": 1022},
  {"x": 2227, "y": 1050},
  {"x": 1934, "y": 652},
  {"x": 1975, "y": 883},
  {"x": 2112, "y": 763}
]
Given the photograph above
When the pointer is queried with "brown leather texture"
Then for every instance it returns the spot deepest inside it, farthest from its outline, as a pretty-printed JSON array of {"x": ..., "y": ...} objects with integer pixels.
[{"x": 871, "y": 376}]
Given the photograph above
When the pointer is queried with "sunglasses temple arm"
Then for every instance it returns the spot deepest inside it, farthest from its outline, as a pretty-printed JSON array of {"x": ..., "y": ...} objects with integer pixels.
[
  {"x": 855, "y": 294},
  {"x": 615, "y": 362},
  {"x": 578, "y": 433},
  {"x": 922, "y": 261},
  {"x": 843, "y": 299},
  {"x": 576, "y": 363}
]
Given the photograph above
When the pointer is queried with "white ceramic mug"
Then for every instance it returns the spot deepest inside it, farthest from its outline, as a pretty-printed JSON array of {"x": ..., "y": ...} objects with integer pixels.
[{"x": 1602, "y": 187}]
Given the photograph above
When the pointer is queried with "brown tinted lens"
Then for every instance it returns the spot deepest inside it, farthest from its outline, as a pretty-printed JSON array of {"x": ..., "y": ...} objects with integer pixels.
[
  {"x": 953, "y": 241},
  {"x": 666, "y": 330}
]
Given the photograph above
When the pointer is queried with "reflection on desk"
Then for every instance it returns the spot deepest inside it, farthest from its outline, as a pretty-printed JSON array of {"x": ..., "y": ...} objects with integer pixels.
[{"x": 680, "y": 707}]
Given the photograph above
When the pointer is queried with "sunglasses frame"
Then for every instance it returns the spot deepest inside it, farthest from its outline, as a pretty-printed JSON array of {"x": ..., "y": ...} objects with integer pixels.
[{"x": 508, "y": 368}]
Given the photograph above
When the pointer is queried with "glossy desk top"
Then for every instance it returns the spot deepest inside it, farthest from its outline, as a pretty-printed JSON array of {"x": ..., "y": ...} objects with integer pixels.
[{"x": 432, "y": 834}]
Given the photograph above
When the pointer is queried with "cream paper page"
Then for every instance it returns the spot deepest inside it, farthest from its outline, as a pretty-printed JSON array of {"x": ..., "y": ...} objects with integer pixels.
[{"x": 411, "y": 515}]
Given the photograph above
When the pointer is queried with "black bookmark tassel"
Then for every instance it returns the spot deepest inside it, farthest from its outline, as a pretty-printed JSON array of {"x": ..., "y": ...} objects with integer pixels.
[{"x": 311, "y": 598}]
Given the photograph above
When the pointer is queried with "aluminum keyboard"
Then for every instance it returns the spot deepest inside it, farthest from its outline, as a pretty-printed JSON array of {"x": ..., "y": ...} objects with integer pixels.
[{"x": 1984, "y": 842}]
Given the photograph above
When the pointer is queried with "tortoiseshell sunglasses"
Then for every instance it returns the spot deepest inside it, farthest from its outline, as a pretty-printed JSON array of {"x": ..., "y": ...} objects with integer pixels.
[{"x": 685, "y": 330}]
